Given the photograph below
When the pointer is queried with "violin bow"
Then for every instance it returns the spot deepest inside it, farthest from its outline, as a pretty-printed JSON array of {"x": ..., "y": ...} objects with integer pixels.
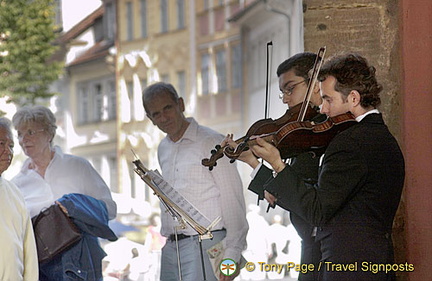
[
  {"x": 267, "y": 103},
  {"x": 315, "y": 70},
  {"x": 267, "y": 106}
]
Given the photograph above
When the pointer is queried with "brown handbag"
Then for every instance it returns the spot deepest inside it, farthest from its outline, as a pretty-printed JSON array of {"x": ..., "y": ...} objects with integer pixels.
[{"x": 54, "y": 233}]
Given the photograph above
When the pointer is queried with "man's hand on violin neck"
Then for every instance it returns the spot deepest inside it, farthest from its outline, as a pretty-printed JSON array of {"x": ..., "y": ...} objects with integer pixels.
[
  {"x": 228, "y": 141},
  {"x": 268, "y": 152},
  {"x": 245, "y": 156}
]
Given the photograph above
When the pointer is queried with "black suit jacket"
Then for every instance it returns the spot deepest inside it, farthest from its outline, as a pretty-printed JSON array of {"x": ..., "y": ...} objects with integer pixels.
[
  {"x": 306, "y": 165},
  {"x": 355, "y": 199}
]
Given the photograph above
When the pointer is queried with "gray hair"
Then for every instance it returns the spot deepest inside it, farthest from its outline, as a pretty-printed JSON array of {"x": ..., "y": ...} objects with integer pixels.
[
  {"x": 37, "y": 114},
  {"x": 158, "y": 88},
  {"x": 6, "y": 124}
]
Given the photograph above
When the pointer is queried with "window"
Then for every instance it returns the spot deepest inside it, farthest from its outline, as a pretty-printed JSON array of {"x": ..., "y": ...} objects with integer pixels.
[
  {"x": 180, "y": 14},
  {"x": 205, "y": 74},
  {"x": 130, "y": 91},
  {"x": 112, "y": 163},
  {"x": 110, "y": 20},
  {"x": 221, "y": 70},
  {"x": 83, "y": 105},
  {"x": 143, "y": 16},
  {"x": 112, "y": 100},
  {"x": 133, "y": 175},
  {"x": 236, "y": 67},
  {"x": 130, "y": 21},
  {"x": 98, "y": 103},
  {"x": 181, "y": 88},
  {"x": 206, "y": 4},
  {"x": 164, "y": 16}
]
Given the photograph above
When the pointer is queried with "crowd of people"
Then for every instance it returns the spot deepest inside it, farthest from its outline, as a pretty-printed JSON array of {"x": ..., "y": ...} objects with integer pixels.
[{"x": 341, "y": 203}]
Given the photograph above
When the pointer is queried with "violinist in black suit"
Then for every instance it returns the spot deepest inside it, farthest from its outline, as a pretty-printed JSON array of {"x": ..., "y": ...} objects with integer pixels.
[
  {"x": 294, "y": 78},
  {"x": 360, "y": 181}
]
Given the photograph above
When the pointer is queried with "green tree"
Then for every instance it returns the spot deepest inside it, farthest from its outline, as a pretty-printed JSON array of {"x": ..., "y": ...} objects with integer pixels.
[{"x": 27, "y": 35}]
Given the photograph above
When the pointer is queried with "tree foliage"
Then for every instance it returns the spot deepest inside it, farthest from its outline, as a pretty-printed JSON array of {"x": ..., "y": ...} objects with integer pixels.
[{"x": 27, "y": 34}]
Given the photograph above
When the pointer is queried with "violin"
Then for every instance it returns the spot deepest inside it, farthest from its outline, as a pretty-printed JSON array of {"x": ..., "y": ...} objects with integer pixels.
[
  {"x": 298, "y": 137},
  {"x": 261, "y": 127}
]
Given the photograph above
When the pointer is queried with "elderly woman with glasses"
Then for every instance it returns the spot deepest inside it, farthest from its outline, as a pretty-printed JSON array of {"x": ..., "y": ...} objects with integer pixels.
[{"x": 49, "y": 176}]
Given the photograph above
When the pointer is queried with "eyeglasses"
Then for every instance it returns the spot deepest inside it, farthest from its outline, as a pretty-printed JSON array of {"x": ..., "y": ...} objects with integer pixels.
[
  {"x": 288, "y": 91},
  {"x": 29, "y": 133}
]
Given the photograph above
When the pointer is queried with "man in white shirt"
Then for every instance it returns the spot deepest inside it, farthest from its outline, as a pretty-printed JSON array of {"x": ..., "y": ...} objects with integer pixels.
[
  {"x": 18, "y": 256},
  {"x": 216, "y": 193}
]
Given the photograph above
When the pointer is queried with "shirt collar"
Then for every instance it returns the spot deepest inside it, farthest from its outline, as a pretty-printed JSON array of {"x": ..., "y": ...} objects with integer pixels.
[
  {"x": 191, "y": 130},
  {"x": 359, "y": 118}
]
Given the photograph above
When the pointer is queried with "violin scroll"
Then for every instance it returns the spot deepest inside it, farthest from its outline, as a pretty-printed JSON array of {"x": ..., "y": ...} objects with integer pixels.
[{"x": 216, "y": 154}]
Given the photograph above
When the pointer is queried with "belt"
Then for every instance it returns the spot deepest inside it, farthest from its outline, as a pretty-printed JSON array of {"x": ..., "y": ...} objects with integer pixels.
[{"x": 180, "y": 236}]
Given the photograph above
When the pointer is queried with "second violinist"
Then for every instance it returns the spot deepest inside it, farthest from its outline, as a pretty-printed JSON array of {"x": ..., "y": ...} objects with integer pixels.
[
  {"x": 293, "y": 76},
  {"x": 360, "y": 179}
]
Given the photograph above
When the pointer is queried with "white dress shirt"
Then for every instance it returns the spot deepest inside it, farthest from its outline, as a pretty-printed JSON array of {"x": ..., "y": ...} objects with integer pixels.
[
  {"x": 65, "y": 174},
  {"x": 359, "y": 118},
  {"x": 18, "y": 256},
  {"x": 216, "y": 193}
]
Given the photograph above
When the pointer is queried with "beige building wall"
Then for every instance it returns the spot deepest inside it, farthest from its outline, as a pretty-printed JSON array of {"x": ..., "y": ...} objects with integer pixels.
[{"x": 143, "y": 60}]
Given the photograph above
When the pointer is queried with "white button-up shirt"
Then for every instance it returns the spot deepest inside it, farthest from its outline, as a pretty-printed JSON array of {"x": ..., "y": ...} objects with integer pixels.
[
  {"x": 216, "y": 193},
  {"x": 65, "y": 174}
]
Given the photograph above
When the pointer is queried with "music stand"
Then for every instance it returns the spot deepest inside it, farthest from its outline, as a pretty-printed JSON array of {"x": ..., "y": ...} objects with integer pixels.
[{"x": 176, "y": 204}]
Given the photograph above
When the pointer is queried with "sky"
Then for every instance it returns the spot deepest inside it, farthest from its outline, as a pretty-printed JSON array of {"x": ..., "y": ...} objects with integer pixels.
[{"x": 76, "y": 10}]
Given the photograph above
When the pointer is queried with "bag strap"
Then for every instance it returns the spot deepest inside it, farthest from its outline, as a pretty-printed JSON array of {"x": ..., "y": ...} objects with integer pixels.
[{"x": 39, "y": 216}]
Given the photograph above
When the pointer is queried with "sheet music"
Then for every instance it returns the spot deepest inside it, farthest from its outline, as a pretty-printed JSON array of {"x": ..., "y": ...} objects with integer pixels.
[{"x": 178, "y": 199}]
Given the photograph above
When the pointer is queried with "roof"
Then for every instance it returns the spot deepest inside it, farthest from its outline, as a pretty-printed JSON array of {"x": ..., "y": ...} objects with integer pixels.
[
  {"x": 82, "y": 26},
  {"x": 98, "y": 50}
]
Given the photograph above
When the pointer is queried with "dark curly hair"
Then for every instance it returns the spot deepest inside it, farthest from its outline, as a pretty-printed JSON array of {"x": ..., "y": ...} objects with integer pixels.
[
  {"x": 301, "y": 63},
  {"x": 353, "y": 72}
]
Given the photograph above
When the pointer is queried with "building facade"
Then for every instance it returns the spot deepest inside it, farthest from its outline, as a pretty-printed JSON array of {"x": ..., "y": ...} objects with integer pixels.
[{"x": 87, "y": 109}]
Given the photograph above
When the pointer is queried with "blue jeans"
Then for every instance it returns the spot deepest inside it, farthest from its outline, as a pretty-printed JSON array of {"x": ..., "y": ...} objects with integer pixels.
[{"x": 190, "y": 258}]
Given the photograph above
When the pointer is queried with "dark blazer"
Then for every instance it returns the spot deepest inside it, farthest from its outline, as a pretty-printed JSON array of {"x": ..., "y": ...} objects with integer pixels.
[
  {"x": 354, "y": 202},
  {"x": 307, "y": 168},
  {"x": 306, "y": 165}
]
